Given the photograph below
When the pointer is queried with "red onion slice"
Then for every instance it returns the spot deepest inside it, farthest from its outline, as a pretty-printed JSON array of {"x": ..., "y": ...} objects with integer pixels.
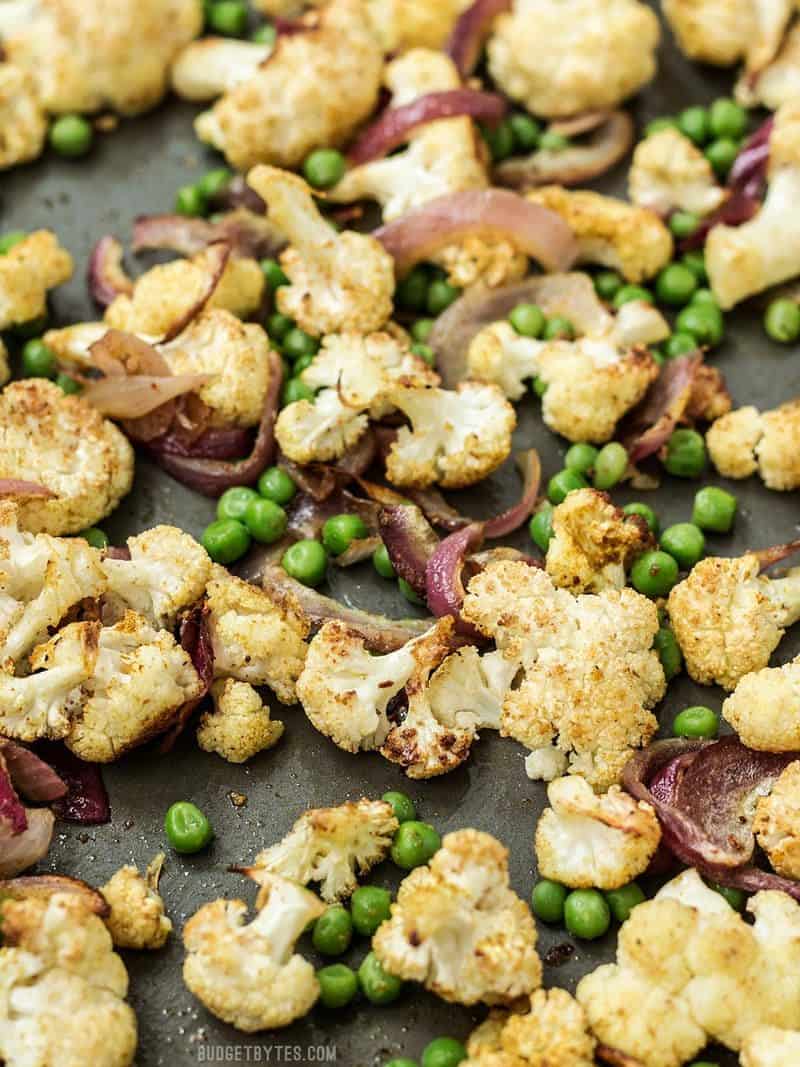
[
  {"x": 649, "y": 426},
  {"x": 195, "y": 638},
  {"x": 140, "y": 394},
  {"x": 410, "y": 541},
  {"x": 238, "y": 194},
  {"x": 31, "y": 776},
  {"x": 436, "y": 509},
  {"x": 246, "y": 233},
  {"x": 494, "y": 213},
  {"x": 358, "y": 551},
  {"x": 768, "y": 557},
  {"x": 18, "y": 487},
  {"x": 218, "y": 256},
  {"x": 107, "y": 277},
  {"x": 86, "y": 800},
  {"x": 12, "y": 811},
  {"x": 20, "y": 851},
  {"x": 213, "y": 443},
  {"x": 531, "y": 469},
  {"x": 444, "y": 589},
  {"x": 118, "y": 353},
  {"x": 583, "y": 122},
  {"x": 471, "y": 31}
]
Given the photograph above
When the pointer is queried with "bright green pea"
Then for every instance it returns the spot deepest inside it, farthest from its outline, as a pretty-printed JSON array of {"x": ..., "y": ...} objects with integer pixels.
[
  {"x": 324, "y": 168},
  {"x": 300, "y": 364},
  {"x": 71, "y": 136},
  {"x": 541, "y": 527},
  {"x": 306, "y": 561},
  {"x": 654, "y": 573},
  {"x": 737, "y": 898},
  {"x": 412, "y": 291},
  {"x": 338, "y": 985},
  {"x": 421, "y": 330},
  {"x": 669, "y": 652},
  {"x": 96, "y": 537},
  {"x": 539, "y": 386},
  {"x": 382, "y": 562},
  {"x": 657, "y": 125},
  {"x": 68, "y": 385},
  {"x": 622, "y": 901},
  {"x": 333, "y": 931},
  {"x": 686, "y": 454},
  {"x": 266, "y": 520},
  {"x": 214, "y": 182},
  {"x": 551, "y": 141},
  {"x": 714, "y": 509},
  {"x": 586, "y": 914},
  {"x": 38, "y": 361},
  {"x": 679, "y": 344},
  {"x": 233, "y": 502},
  {"x": 402, "y": 805},
  {"x": 721, "y": 154},
  {"x": 782, "y": 321},
  {"x": 9, "y": 240},
  {"x": 295, "y": 389},
  {"x": 226, "y": 540},
  {"x": 547, "y": 901},
  {"x": 298, "y": 343},
  {"x": 410, "y": 593},
  {"x": 698, "y": 721},
  {"x": 703, "y": 321},
  {"x": 526, "y": 130},
  {"x": 369, "y": 906},
  {"x": 424, "y": 352},
  {"x": 414, "y": 844},
  {"x": 377, "y": 985},
  {"x": 683, "y": 223},
  {"x": 704, "y": 296},
  {"x": 275, "y": 276},
  {"x": 228, "y": 17},
  {"x": 675, "y": 285},
  {"x": 685, "y": 543},
  {"x": 340, "y": 531},
  {"x": 696, "y": 262},
  {"x": 190, "y": 201},
  {"x": 580, "y": 457},
  {"x": 441, "y": 295},
  {"x": 645, "y": 512},
  {"x": 610, "y": 465},
  {"x": 187, "y": 828},
  {"x": 727, "y": 119},
  {"x": 278, "y": 326},
  {"x": 632, "y": 292},
  {"x": 693, "y": 122},
  {"x": 443, "y": 1052},
  {"x": 563, "y": 483},
  {"x": 528, "y": 320},
  {"x": 266, "y": 34},
  {"x": 658, "y": 356},
  {"x": 276, "y": 485},
  {"x": 558, "y": 328},
  {"x": 607, "y": 284},
  {"x": 500, "y": 140}
]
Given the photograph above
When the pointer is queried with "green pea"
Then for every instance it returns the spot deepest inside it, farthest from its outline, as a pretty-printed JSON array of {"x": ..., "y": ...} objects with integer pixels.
[
  {"x": 607, "y": 284},
  {"x": 622, "y": 901},
  {"x": 186, "y": 827},
  {"x": 558, "y": 328},
  {"x": 226, "y": 540},
  {"x": 298, "y": 343},
  {"x": 228, "y": 17},
  {"x": 685, "y": 543},
  {"x": 541, "y": 527},
  {"x": 71, "y": 136},
  {"x": 539, "y": 386},
  {"x": 377, "y": 985},
  {"x": 340, "y": 531},
  {"x": 737, "y": 898},
  {"x": 421, "y": 330},
  {"x": 686, "y": 454},
  {"x": 276, "y": 485},
  {"x": 441, "y": 295},
  {"x": 657, "y": 125},
  {"x": 333, "y": 931},
  {"x": 9, "y": 240},
  {"x": 563, "y": 483},
  {"x": 300, "y": 364},
  {"x": 693, "y": 122},
  {"x": 295, "y": 389},
  {"x": 580, "y": 457},
  {"x": 424, "y": 352},
  {"x": 704, "y": 296},
  {"x": 675, "y": 285},
  {"x": 324, "y": 168},
  {"x": 38, "y": 361},
  {"x": 696, "y": 262},
  {"x": 679, "y": 344},
  {"x": 698, "y": 721},
  {"x": 721, "y": 154},
  {"x": 402, "y": 1061},
  {"x": 96, "y": 537},
  {"x": 528, "y": 320},
  {"x": 500, "y": 140},
  {"x": 714, "y": 509},
  {"x": 645, "y": 512},
  {"x": 414, "y": 844},
  {"x": 409, "y": 592},
  {"x": 682, "y": 224},
  {"x": 190, "y": 201},
  {"x": 338, "y": 985},
  {"x": 658, "y": 356},
  {"x": 551, "y": 141},
  {"x": 782, "y": 321},
  {"x": 526, "y": 130},
  {"x": 233, "y": 502},
  {"x": 275, "y": 276},
  {"x": 669, "y": 652},
  {"x": 412, "y": 292},
  {"x": 586, "y": 914},
  {"x": 610, "y": 465},
  {"x": 68, "y": 385},
  {"x": 443, "y": 1052},
  {"x": 265, "y": 520},
  {"x": 214, "y": 182},
  {"x": 306, "y": 561},
  {"x": 727, "y": 119},
  {"x": 370, "y": 906},
  {"x": 402, "y": 805},
  {"x": 703, "y": 321},
  {"x": 266, "y": 34},
  {"x": 547, "y": 901},
  {"x": 382, "y": 562},
  {"x": 654, "y": 573},
  {"x": 629, "y": 293}
]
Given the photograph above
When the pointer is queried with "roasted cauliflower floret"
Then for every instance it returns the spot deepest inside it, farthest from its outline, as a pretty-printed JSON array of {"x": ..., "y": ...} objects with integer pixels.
[
  {"x": 588, "y": 673},
  {"x": 331, "y": 846},
  {"x": 319, "y": 431},
  {"x": 240, "y": 726},
  {"x": 560, "y": 58},
  {"x": 593, "y": 543},
  {"x": 459, "y": 929},
  {"x": 724, "y": 31},
  {"x": 85, "y": 57},
  {"x": 23, "y": 123},
  {"x": 669, "y": 173},
  {"x": 747, "y": 441},
  {"x": 27, "y": 272},
  {"x": 553, "y": 1033},
  {"x": 254, "y": 639},
  {"x": 137, "y": 919},
  {"x": 455, "y": 439},
  {"x": 771, "y": 1046},
  {"x": 764, "y": 708},
  {"x": 269, "y": 115},
  {"x": 62, "y": 987},
  {"x": 583, "y": 840},
  {"x": 248, "y": 974},
  {"x": 624, "y": 237},
  {"x": 499, "y": 354},
  {"x": 778, "y": 82},
  {"x": 777, "y": 822},
  {"x": 729, "y": 619},
  {"x": 744, "y": 260},
  {"x": 338, "y": 281}
]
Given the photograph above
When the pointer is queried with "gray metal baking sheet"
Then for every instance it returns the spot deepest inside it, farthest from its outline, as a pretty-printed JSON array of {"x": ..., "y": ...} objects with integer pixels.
[{"x": 137, "y": 170}]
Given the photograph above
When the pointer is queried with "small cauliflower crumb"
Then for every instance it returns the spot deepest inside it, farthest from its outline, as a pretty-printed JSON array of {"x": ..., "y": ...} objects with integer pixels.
[
  {"x": 23, "y": 123},
  {"x": 552, "y": 1033},
  {"x": 28, "y": 271},
  {"x": 137, "y": 919},
  {"x": 777, "y": 822},
  {"x": 669, "y": 173},
  {"x": 240, "y": 726},
  {"x": 747, "y": 441},
  {"x": 764, "y": 708}
]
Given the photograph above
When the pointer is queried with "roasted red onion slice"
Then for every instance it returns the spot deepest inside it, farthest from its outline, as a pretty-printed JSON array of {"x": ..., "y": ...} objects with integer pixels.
[
  {"x": 12, "y": 810},
  {"x": 444, "y": 588},
  {"x": 615, "y": 1058},
  {"x": 238, "y": 194},
  {"x": 768, "y": 557},
  {"x": 247, "y": 234},
  {"x": 583, "y": 122},
  {"x": 436, "y": 509},
  {"x": 137, "y": 395},
  {"x": 213, "y": 443},
  {"x": 107, "y": 277},
  {"x": 118, "y": 353},
  {"x": 358, "y": 551},
  {"x": 17, "y": 487},
  {"x": 471, "y": 32},
  {"x": 20, "y": 851},
  {"x": 30, "y": 775},
  {"x": 43, "y": 886},
  {"x": 410, "y": 541},
  {"x": 395, "y": 124},
  {"x": 650, "y": 425},
  {"x": 495, "y": 213},
  {"x": 218, "y": 256},
  {"x": 531, "y": 469},
  {"x": 195, "y": 638},
  {"x": 86, "y": 800}
]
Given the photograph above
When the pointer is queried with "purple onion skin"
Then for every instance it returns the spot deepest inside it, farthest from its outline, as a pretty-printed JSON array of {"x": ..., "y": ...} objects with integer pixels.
[
  {"x": 410, "y": 541},
  {"x": 31, "y": 776},
  {"x": 86, "y": 800},
  {"x": 13, "y": 820}
]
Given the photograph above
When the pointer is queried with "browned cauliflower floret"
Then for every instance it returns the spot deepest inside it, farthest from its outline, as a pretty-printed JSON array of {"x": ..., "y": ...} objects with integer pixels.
[
  {"x": 255, "y": 640},
  {"x": 240, "y": 726},
  {"x": 338, "y": 281},
  {"x": 729, "y": 619},
  {"x": 553, "y": 1033},
  {"x": 137, "y": 918},
  {"x": 747, "y": 441},
  {"x": 621, "y": 236},
  {"x": 669, "y": 173},
  {"x": 764, "y": 708},
  {"x": 561, "y": 58},
  {"x": 62, "y": 987},
  {"x": 85, "y": 57},
  {"x": 459, "y": 929},
  {"x": 778, "y": 82},
  {"x": 583, "y": 840},
  {"x": 777, "y": 822},
  {"x": 724, "y": 31},
  {"x": 588, "y": 670},
  {"x": 27, "y": 272},
  {"x": 248, "y": 974},
  {"x": 593, "y": 543},
  {"x": 270, "y": 115},
  {"x": 771, "y": 1046},
  {"x": 23, "y": 123}
]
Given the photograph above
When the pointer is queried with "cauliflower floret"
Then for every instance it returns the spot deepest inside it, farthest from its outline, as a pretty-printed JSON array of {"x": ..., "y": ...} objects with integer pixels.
[
  {"x": 331, "y": 846},
  {"x": 214, "y": 65},
  {"x": 583, "y": 840},
  {"x": 771, "y": 1046},
  {"x": 167, "y": 572},
  {"x": 626, "y": 238},
  {"x": 255, "y": 640},
  {"x": 23, "y": 123},
  {"x": 743, "y": 260},
  {"x": 240, "y": 726},
  {"x": 137, "y": 918},
  {"x": 729, "y": 619},
  {"x": 764, "y": 708},
  {"x": 338, "y": 281},
  {"x": 593, "y": 543},
  {"x": 778, "y": 82},
  {"x": 456, "y": 438},
  {"x": 85, "y": 57},
  {"x": 669, "y": 173},
  {"x": 62, "y": 987},
  {"x": 588, "y": 670},
  {"x": 498, "y": 354},
  {"x": 269, "y": 114},
  {"x": 27, "y": 272},
  {"x": 724, "y": 31},
  {"x": 561, "y": 58},
  {"x": 777, "y": 822},
  {"x": 747, "y": 441},
  {"x": 459, "y": 929},
  {"x": 553, "y": 1033},
  {"x": 248, "y": 974},
  {"x": 319, "y": 431}
]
